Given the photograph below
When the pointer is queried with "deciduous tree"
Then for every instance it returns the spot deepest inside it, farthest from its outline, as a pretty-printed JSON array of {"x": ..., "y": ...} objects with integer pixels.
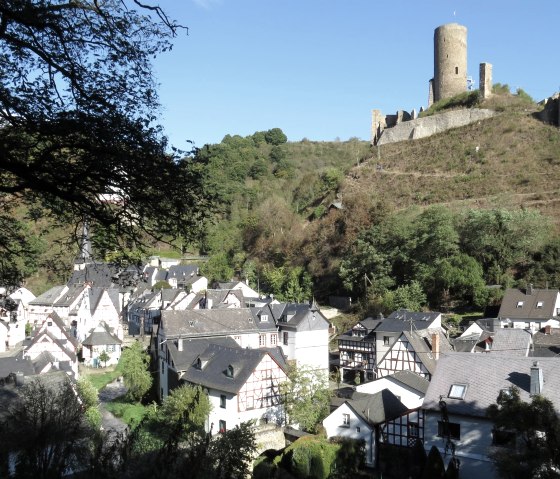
[
  {"x": 78, "y": 125},
  {"x": 134, "y": 363}
]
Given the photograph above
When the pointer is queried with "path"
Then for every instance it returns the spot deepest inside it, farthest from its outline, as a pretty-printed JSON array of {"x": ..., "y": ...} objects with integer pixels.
[{"x": 111, "y": 423}]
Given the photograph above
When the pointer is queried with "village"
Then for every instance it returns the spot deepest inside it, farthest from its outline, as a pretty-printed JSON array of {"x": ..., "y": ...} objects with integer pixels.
[{"x": 395, "y": 381}]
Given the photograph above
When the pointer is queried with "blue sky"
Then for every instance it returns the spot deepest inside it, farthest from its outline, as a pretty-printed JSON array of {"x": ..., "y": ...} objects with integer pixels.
[{"x": 316, "y": 68}]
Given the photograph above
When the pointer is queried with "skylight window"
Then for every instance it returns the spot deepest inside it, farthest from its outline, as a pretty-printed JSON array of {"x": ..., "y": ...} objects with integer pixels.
[
  {"x": 520, "y": 304},
  {"x": 540, "y": 304},
  {"x": 457, "y": 391}
]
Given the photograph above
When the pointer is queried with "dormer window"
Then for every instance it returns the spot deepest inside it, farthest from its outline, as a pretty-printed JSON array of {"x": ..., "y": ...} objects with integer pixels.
[
  {"x": 264, "y": 317},
  {"x": 198, "y": 363},
  {"x": 519, "y": 304},
  {"x": 457, "y": 391},
  {"x": 540, "y": 304},
  {"x": 229, "y": 371}
]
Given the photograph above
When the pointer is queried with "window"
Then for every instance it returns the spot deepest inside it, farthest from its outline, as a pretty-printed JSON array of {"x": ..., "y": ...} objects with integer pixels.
[
  {"x": 162, "y": 367},
  {"x": 273, "y": 339},
  {"x": 223, "y": 401},
  {"x": 456, "y": 70},
  {"x": 229, "y": 371},
  {"x": 222, "y": 426},
  {"x": 413, "y": 429},
  {"x": 358, "y": 429},
  {"x": 540, "y": 304},
  {"x": 519, "y": 304},
  {"x": 262, "y": 340},
  {"x": 110, "y": 348},
  {"x": 451, "y": 429},
  {"x": 457, "y": 391},
  {"x": 49, "y": 323},
  {"x": 264, "y": 317},
  {"x": 346, "y": 420},
  {"x": 386, "y": 340},
  {"x": 285, "y": 338}
]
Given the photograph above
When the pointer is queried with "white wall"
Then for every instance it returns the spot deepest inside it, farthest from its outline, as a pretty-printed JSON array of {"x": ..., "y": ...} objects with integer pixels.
[
  {"x": 472, "y": 448},
  {"x": 311, "y": 348},
  {"x": 411, "y": 398},
  {"x": 357, "y": 429}
]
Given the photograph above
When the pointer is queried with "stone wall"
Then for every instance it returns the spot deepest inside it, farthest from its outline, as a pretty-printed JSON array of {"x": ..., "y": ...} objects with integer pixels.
[
  {"x": 551, "y": 112},
  {"x": 269, "y": 436},
  {"x": 485, "y": 80},
  {"x": 431, "y": 125}
]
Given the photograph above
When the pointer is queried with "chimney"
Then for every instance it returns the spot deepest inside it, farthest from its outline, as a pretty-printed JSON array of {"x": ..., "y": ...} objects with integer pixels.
[
  {"x": 537, "y": 380},
  {"x": 180, "y": 344},
  {"x": 435, "y": 345},
  {"x": 530, "y": 289},
  {"x": 547, "y": 329},
  {"x": 209, "y": 303}
]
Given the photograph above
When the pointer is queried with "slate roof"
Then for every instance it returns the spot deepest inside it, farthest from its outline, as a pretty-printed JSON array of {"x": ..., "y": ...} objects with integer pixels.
[
  {"x": 56, "y": 319},
  {"x": 60, "y": 343},
  {"x": 192, "y": 349},
  {"x": 70, "y": 296},
  {"x": 546, "y": 344},
  {"x": 106, "y": 275},
  {"x": 100, "y": 338},
  {"x": 17, "y": 364},
  {"x": 218, "y": 296},
  {"x": 485, "y": 375},
  {"x": 49, "y": 297},
  {"x": 207, "y": 322},
  {"x": 375, "y": 408},
  {"x": 401, "y": 320},
  {"x": 530, "y": 297},
  {"x": 422, "y": 349},
  {"x": 213, "y": 373},
  {"x": 411, "y": 379},
  {"x": 511, "y": 342},
  {"x": 302, "y": 316}
]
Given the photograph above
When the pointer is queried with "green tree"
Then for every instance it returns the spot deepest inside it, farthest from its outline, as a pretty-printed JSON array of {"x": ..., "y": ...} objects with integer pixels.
[
  {"x": 46, "y": 431},
  {"x": 501, "y": 240},
  {"x": 409, "y": 296},
  {"x": 186, "y": 404},
  {"x": 104, "y": 357},
  {"x": 275, "y": 136},
  {"x": 306, "y": 397},
  {"x": 90, "y": 400},
  {"x": 232, "y": 453},
  {"x": 535, "y": 427},
  {"x": 291, "y": 284},
  {"x": 65, "y": 141},
  {"x": 134, "y": 364},
  {"x": 434, "y": 468}
]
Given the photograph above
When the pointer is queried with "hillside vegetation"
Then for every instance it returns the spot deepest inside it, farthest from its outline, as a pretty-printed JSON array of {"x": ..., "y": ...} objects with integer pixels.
[{"x": 407, "y": 234}]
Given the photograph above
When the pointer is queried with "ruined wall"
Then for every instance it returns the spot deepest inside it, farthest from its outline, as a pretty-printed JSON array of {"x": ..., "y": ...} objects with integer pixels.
[
  {"x": 431, "y": 125},
  {"x": 551, "y": 112},
  {"x": 485, "y": 80},
  {"x": 450, "y": 61}
]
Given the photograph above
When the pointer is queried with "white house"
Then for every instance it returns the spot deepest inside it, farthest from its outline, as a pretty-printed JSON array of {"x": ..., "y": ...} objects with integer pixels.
[
  {"x": 375, "y": 418},
  {"x": 462, "y": 388},
  {"x": 530, "y": 308},
  {"x": 98, "y": 341}
]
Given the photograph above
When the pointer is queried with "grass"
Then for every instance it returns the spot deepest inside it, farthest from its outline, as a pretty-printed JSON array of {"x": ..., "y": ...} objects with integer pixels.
[
  {"x": 99, "y": 378},
  {"x": 130, "y": 413}
]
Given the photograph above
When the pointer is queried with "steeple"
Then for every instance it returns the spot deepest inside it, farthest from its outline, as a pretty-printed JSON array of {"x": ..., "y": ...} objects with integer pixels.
[{"x": 84, "y": 256}]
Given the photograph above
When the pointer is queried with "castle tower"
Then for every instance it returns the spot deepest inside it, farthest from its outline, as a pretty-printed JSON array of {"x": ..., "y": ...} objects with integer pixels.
[{"x": 450, "y": 61}]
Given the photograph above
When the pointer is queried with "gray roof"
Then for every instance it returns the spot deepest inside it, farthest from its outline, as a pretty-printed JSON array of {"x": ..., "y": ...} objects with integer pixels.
[
  {"x": 100, "y": 338},
  {"x": 546, "y": 344},
  {"x": 192, "y": 349},
  {"x": 411, "y": 379},
  {"x": 9, "y": 365},
  {"x": 377, "y": 408},
  {"x": 406, "y": 320},
  {"x": 70, "y": 296},
  {"x": 207, "y": 322},
  {"x": 219, "y": 358},
  {"x": 218, "y": 296},
  {"x": 106, "y": 275},
  {"x": 302, "y": 317},
  {"x": 530, "y": 298},
  {"x": 511, "y": 342},
  {"x": 49, "y": 297},
  {"x": 485, "y": 375}
]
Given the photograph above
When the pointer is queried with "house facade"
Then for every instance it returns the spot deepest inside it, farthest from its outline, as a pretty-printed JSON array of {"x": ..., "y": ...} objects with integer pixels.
[
  {"x": 462, "y": 388},
  {"x": 530, "y": 308},
  {"x": 376, "y": 419}
]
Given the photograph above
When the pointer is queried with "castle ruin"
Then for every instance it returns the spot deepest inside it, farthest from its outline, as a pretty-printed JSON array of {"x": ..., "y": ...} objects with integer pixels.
[{"x": 450, "y": 77}]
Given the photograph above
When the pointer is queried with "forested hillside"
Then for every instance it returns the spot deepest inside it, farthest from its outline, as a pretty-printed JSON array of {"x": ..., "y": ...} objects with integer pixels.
[
  {"x": 426, "y": 223},
  {"x": 429, "y": 223}
]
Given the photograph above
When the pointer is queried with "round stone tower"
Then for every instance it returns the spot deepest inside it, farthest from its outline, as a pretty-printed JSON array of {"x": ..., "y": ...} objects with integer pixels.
[{"x": 450, "y": 60}]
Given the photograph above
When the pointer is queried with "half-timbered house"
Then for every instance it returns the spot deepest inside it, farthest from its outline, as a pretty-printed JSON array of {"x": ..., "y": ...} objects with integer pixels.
[{"x": 379, "y": 418}]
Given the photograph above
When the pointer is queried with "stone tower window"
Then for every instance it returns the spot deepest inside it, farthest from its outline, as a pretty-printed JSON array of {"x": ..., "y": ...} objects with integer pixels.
[{"x": 456, "y": 70}]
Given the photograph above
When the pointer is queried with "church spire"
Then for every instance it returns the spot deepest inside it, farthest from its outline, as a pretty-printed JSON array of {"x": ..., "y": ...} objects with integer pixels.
[{"x": 84, "y": 256}]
